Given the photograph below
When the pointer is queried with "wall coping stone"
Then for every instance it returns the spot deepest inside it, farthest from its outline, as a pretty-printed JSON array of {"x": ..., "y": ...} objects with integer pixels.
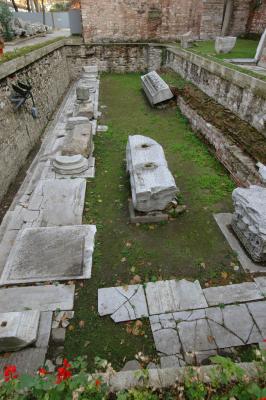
[
  {"x": 12, "y": 66},
  {"x": 225, "y": 72}
]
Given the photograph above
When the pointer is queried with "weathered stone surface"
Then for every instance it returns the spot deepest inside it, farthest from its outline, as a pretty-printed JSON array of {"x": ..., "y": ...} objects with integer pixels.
[
  {"x": 152, "y": 184},
  {"x": 27, "y": 361},
  {"x": 170, "y": 296},
  {"x": 186, "y": 40},
  {"x": 261, "y": 284},
  {"x": 167, "y": 342},
  {"x": 258, "y": 312},
  {"x": 18, "y": 330},
  {"x": 44, "y": 330},
  {"x": 43, "y": 298},
  {"x": 261, "y": 46},
  {"x": 249, "y": 220},
  {"x": 58, "y": 335},
  {"x": 262, "y": 167},
  {"x": 90, "y": 71},
  {"x": 60, "y": 202},
  {"x": 54, "y": 253},
  {"x": 79, "y": 140},
  {"x": 224, "y": 221},
  {"x": 230, "y": 294},
  {"x": 83, "y": 90},
  {"x": 224, "y": 44},
  {"x": 70, "y": 165},
  {"x": 123, "y": 303},
  {"x": 196, "y": 335},
  {"x": 156, "y": 88},
  {"x": 132, "y": 365},
  {"x": 73, "y": 121},
  {"x": 84, "y": 109},
  {"x": 171, "y": 362}
]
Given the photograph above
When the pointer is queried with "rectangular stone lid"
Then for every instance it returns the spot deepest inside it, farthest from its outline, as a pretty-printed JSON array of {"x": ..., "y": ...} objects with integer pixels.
[{"x": 54, "y": 253}]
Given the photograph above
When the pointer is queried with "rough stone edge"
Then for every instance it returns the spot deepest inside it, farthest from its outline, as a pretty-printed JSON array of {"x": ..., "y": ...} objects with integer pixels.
[
  {"x": 225, "y": 72},
  {"x": 168, "y": 377},
  {"x": 12, "y": 66}
]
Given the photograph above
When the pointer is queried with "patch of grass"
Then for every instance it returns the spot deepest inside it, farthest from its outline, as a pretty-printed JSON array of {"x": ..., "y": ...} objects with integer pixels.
[
  {"x": 190, "y": 246},
  {"x": 244, "y": 48},
  {"x": 11, "y": 55}
]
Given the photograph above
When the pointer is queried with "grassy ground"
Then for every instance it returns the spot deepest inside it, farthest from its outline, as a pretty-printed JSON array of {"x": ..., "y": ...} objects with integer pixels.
[
  {"x": 190, "y": 246},
  {"x": 244, "y": 48}
]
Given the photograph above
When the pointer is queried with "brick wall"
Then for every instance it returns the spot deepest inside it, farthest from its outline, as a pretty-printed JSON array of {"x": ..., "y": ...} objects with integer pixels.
[
  {"x": 163, "y": 20},
  {"x": 258, "y": 19}
]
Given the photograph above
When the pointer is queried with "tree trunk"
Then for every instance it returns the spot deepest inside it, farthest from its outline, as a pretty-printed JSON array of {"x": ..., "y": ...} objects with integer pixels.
[
  {"x": 14, "y": 5},
  {"x": 28, "y": 5},
  {"x": 37, "y": 7}
]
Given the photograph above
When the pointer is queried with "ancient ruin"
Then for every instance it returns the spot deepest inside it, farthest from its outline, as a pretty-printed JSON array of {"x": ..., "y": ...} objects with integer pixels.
[{"x": 155, "y": 88}]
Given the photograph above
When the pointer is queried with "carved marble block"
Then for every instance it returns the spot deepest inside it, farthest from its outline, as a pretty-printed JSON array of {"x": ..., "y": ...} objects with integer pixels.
[
  {"x": 152, "y": 184},
  {"x": 83, "y": 90},
  {"x": 90, "y": 71},
  {"x": 249, "y": 220},
  {"x": 224, "y": 44},
  {"x": 156, "y": 88},
  {"x": 79, "y": 140},
  {"x": 70, "y": 165}
]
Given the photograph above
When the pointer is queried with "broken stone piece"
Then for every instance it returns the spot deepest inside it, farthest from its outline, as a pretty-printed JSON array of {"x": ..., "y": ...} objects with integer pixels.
[
  {"x": 186, "y": 40},
  {"x": 262, "y": 170},
  {"x": 73, "y": 121},
  {"x": 84, "y": 109},
  {"x": 78, "y": 141},
  {"x": 18, "y": 330},
  {"x": 224, "y": 44},
  {"x": 152, "y": 184},
  {"x": 70, "y": 165},
  {"x": 90, "y": 71},
  {"x": 249, "y": 220},
  {"x": 156, "y": 88}
]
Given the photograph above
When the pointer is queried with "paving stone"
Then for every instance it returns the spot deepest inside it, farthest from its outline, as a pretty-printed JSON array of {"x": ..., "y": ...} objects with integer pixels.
[
  {"x": 132, "y": 365},
  {"x": 43, "y": 298},
  {"x": 167, "y": 321},
  {"x": 61, "y": 201},
  {"x": 196, "y": 335},
  {"x": 54, "y": 253},
  {"x": 189, "y": 315},
  {"x": 231, "y": 294},
  {"x": 18, "y": 330},
  {"x": 167, "y": 341},
  {"x": 170, "y": 296},
  {"x": 27, "y": 361},
  {"x": 58, "y": 335},
  {"x": 261, "y": 283},
  {"x": 170, "y": 362},
  {"x": 258, "y": 312},
  {"x": 44, "y": 329},
  {"x": 124, "y": 303}
]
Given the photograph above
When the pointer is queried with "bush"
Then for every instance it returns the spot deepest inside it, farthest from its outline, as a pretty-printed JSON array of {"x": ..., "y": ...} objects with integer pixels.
[{"x": 5, "y": 19}]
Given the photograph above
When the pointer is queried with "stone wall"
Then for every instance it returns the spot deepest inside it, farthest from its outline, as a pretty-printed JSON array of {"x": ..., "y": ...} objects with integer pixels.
[
  {"x": 257, "y": 22},
  {"x": 120, "y": 58},
  {"x": 241, "y": 93},
  {"x": 47, "y": 70},
  {"x": 164, "y": 20}
]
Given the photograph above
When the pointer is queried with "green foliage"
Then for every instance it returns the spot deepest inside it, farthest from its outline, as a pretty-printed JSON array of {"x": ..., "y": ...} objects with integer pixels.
[
  {"x": 5, "y": 19},
  {"x": 57, "y": 7}
]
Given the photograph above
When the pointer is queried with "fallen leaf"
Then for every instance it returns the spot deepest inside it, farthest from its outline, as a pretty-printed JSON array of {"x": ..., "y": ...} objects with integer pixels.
[
  {"x": 135, "y": 280},
  {"x": 224, "y": 275},
  {"x": 71, "y": 328},
  {"x": 123, "y": 259},
  {"x": 210, "y": 339},
  {"x": 81, "y": 324}
]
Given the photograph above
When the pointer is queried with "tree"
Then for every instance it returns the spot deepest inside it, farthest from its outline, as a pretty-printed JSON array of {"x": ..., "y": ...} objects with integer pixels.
[
  {"x": 5, "y": 19},
  {"x": 14, "y": 5}
]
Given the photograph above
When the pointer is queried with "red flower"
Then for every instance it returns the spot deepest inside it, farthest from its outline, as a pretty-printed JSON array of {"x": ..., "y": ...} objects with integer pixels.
[
  {"x": 97, "y": 382},
  {"x": 10, "y": 373},
  {"x": 42, "y": 371},
  {"x": 264, "y": 340},
  {"x": 63, "y": 374},
  {"x": 66, "y": 363}
]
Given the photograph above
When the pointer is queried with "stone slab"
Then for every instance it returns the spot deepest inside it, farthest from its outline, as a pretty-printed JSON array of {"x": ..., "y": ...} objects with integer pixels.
[
  {"x": 18, "y": 330},
  {"x": 224, "y": 44},
  {"x": 60, "y": 202},
  {"x": 27, "y": 361},
  {"x": 167, "y": 342},
  {"x": 70, "y": 165},
  {"x": 122, "y": 303},
  {"x": 170, "y": 296},
  {"x": 224, "y": 222},
  {"x": 47, "y": 254},
  {"x": 258, "y": 312},
  {"x": 150, "y": 218},
  {"x": 78, "y": 140},
  {"x": 44, "y": 331},
  {"x": 42, "y": 298},
  {"x": 261, "y": 46},
  {"x": 230, "y": 294},
  {"x": 261, "y": 284}
]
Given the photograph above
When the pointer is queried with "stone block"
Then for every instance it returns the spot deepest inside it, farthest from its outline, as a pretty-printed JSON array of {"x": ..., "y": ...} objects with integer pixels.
[
  {"x": 152, "y": 184},
  {"x": 48, "y": 254},
  {"x": 73, "y": 121},
  {"x": 18, "y": 330},
  {"x": 90, "y": 71},
  {"x": 249, "y": 220},
  {"x": 70, "y": 165},
  {"x": 43, "y": 298},
  {"x": 167, "y": 342},
  {"x": 170, "y": 296},
  {"x": 261, "y": 47},
  {"x": 230, "y": 294},
  {"x": 84, "y": 109},
  {"x": 60, "y": 202},
  {"x": 186, "y": 40},
  {"x": 156, "y": 88},
  {"x": 78, "y": 140},
  {"x": 83, "y": 90},
  {"x": 224, "y": 44},
  {"x": 58, "y": 335}
]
